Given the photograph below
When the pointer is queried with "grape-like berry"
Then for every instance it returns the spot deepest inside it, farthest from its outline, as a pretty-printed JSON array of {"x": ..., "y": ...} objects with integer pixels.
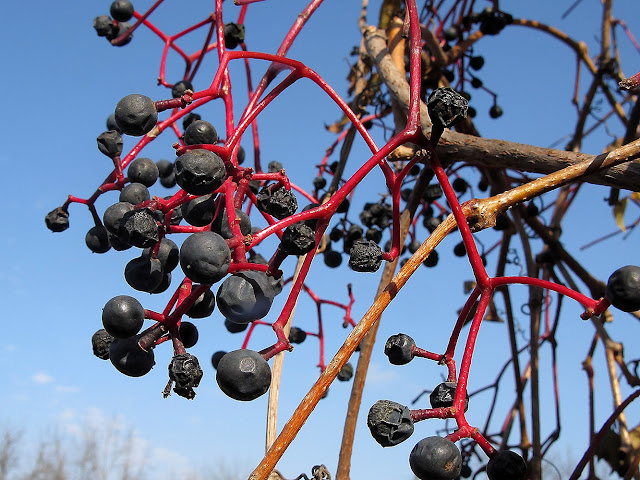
[
  {"x": 245, "y": 296},
  {"x": 122, "y": 316},
  {"x": 399, "y": 349},
  {"x": 435, "y": 458},
  {"x": 443, "y": 395},
  {"x": 57, "y": 220},
  {"x": 205, "y": 257},
  {"x": 389, "y": 422},
  {"x": 365, "y": 256},
  {"x": 200, "y": 132},
  {"x": 243, "y": 375},
  {"x": 199, "y": 171},
  {"x": 136, "y": 114},
  {"x": 129, "y": 358},
  {"x": 623, "y": 288},
  {"x": 506, "y": 465},
  {"x": 121, "y": 10}
]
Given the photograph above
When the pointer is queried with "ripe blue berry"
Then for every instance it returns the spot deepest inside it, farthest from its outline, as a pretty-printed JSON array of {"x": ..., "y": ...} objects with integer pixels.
[
  {"x": 205, "y": 257},
  {"x": 143, "y": 170},
  {"x": 399, "y": 349},
  {"x": 199, "y": 171},
  {"x": 623, "y": 288},
  {"x": 245, "y": 296},
  {"x": 128, "y": 358},
  {"x": 136, "y": 114},
  {"x": 243, "y": 375},
  {"x": 435, "y": 458},
  {"x": 180, "y": 87},
  {"x": 200, "y": 132},
  {"x": 506, "y": 465},
  {"x": 122, "y": 316},
  {"x": 121, "y": 10}
]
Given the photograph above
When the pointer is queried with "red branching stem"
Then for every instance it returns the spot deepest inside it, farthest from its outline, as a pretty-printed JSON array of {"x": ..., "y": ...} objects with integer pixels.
[{"x": 538, "y": 282}]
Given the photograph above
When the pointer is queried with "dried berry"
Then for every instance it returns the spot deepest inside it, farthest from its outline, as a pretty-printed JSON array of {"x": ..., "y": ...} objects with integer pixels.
[
  {"x": 365, "y": 256},
  {"x": 389, "y": 422}
]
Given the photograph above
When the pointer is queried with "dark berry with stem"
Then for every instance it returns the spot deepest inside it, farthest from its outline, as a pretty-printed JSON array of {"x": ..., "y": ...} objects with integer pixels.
[
  {"x": 365, "y": 256},
  {"x": 476, "y": 82},
  {"x": 169, "y": 181},
  {"x": 103, "y": 25},
  {"x": 200, "y": 132},
  {"x": 336, "y": 234},
  {"x": 134, "y": 193},
  {"x": 144, "y": 273},
  {"x": 57, "y": 220},
  {"x": 389, "y": 422},
  {"x": 442, "y": 396},
  {"x": 110, "y": 143},
  {"x": 97, "y": 239},
  {"x": 476, "y": 62},
  {"x": 506, "y": 465},
  {"x": 435, "y": 458},
  {"x": 274, "y": 166},
  {"x": 446, "y": 108},
  {"x": 122, "y": 316},
  {"x": 199, "y": 171},
  {"x": 139, "y": 228},
  {"x": 280, "y": 203},
  {"x": 297, "y": 239},
  {"x": 319, "y": 183},
  {"x": 129, "y": 358},
  {"x": 113, "y": 216},
  {"x": 216, "y": 357},
  {"x": 136, "y": 114},
  {"x": 297, "y": 335},
  {"x": 233, "y": 327},
  {"x": 465, "y": 471},
  {"x": 431, "y": 260},
  {"x": 399, "y": 349},
  {"x": 332, "y": 259},
  {"x": 165, "y": 167},
  {"x": 432, "y": 193},
  {"x": 100, "y": 342},
  {"x": 495, "y": 111},
  {"x": 221, "y": 223},
  {"x": 243, "y": 375},
  {"x": 460, "y": 185},
  {"x": 165, "y": 283},
  {"x": 245, "y": 296},
  {"x": 122, "y": 27},
  {"x": 233, "y": 35},
  {"x": 205, "y": 257},
  {"x": 117, "y": 244},
  {"x": 112, "y": 124},
  {"x": 121, "y": 10},
  {"x": 200, "y": 211},
  {"x": 240, "y": 155},
  {"x": 143, "y": 170},
  {"x": 623, "y": 288},
  {"x": 460, "y": 250},
  {"x": 185, "y": 371},
  {"x": 345, "y": 373},
  {"x": 180, "y": 87},
  {"x": 203, "y": 306}
]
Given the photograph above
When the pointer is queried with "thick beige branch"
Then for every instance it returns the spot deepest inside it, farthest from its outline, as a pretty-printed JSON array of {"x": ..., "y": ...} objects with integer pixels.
[{"x": 457, "y": 147}]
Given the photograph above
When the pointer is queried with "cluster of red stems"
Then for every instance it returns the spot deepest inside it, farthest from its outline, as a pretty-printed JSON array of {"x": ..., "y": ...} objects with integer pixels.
[{"x": 235, "y": 192}]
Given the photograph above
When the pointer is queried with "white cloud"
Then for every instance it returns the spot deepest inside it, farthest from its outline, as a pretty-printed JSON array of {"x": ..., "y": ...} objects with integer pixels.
[
  {"x": 379, "y": 374},
  {"x": 42, "y": 378}
]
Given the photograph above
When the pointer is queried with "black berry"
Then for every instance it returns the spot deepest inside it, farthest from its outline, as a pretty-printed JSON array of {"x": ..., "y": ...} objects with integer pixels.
[
  {"x": 97, "y": 239},
  {"x": 185, "y": 371},
  {"x": 128, "y": 358},
  {"x": 243, "y": 375},
  {"x": 506, "y": 465},
  {"x": 435, "y": 458},
  {"x": 200, "y": 132},
  {"x": 233, "y": 35},
  {"x": 446, "y": 107},
  {"x": 365, "y": 256},
  {"x": 245, "y": 296},
  {"x": 345, "y": 373},
  {"x": 57, "y": 220},
  {"x": 122, "y": 316},
  {"x": 121, "y": 10},
  {"x": 205, "y": 257},
  {"x": 199, "y": 171},
  {"x": 389, "y": 422},
  {"x": 139, "y": 228},
  {"x": 136, "y": 114},
  {"x": 280, "y": 203},
  {"x": 297, "y": 335},
  {"x": 110, "y": 143},
  {"x": 203, "y": 306},
  {"x": 297, "y": 239},
  {"x": 134, "y": 193},
  {"x": 623, "y": 288},
  {"x": 144, "y": 273},
  {"x": 399, "y": 349},
  {"x": 180, "y": 87},
  {"x": 100, "y": 342},
  {"x": 495, "y": 111},
  {"x": 143, "y": 170},
  {"x": 442, "y": 396},
  {"x": 215, "y": 358}
]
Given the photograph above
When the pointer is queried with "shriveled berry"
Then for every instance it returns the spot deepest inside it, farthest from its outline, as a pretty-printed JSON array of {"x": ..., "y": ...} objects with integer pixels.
[
  {"x": 100, "y": 342},
  {"x": 399, "y": 349},
  {"x": 200, "y": 132},
  {"x": 215, "y": 358},
  {"x": 297, "y": 335},
  {"x": 280, "y": 203},
  {"x": 446, "y": 107},
  {"x": 243, "y": 375},
  {"x": 57, "y": 220},
  {"x": 442, "y": 396},
  {"x": 205, "y": 257},
  {"x": 180, "y": 87},
  {"x": 297, "y": 239},
  {"x": 134, "y": 193},
  {"x": 365, "y": 256},
  {"x": 97, "y": 239},
  {"x": 121, "y": 10},
  {"x": 122, "y": 316},
  {"x": 185, "y": 371},
  {"x": 136, "y": 114},
  {"x": 104, "y": 25},
  {"x": 110, "y": 143},
  {"x": 199, "y": 171},
  {"x": 435, "y": 458},
  {"x": 143, "y": 170},
  {"x": 506, "y": 465},
  {"x": 623, "y": 288},
  {"x": 139, "y": 228},
  {"x": 128, "y": 358},
  {"x": 432, "y": 193},
  {"x": 233, "y": 35},
  {"x": 389, "y": 422},
  {"x": 203, "y": 306},
  {"x": 345, "y": 373}
]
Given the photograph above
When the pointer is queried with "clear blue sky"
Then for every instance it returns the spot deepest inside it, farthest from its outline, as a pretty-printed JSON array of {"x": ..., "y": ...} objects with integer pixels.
[{"x": 61, "y": 81}]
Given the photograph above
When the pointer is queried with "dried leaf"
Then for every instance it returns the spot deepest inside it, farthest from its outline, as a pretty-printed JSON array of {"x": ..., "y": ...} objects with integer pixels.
[{"x": 618, "y": 213}]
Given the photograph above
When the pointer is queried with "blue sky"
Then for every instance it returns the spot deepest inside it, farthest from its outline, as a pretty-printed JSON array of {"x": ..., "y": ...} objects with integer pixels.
[{"x": 61, "y": 81}]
